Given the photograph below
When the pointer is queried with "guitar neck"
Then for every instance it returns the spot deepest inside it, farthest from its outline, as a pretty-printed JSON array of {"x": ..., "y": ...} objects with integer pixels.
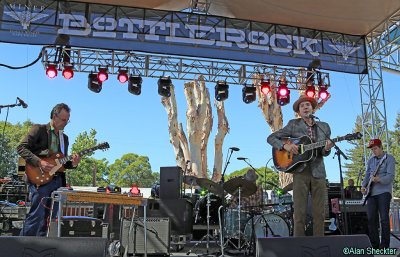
[
  {"x": 69, "y": 157},
  {"x": 321, "y": 143}
]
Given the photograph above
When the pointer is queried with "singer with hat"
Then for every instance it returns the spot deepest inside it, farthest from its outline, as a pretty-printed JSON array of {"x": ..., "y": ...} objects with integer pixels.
[
  {"x": 380, "y": 193},
  {"x": 308, "y": 177}
]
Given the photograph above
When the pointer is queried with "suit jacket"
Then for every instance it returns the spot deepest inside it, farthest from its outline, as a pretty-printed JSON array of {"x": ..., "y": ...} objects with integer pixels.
[
  {"x": 37, "y": 144},
  {"x": 298, "y": 128}
]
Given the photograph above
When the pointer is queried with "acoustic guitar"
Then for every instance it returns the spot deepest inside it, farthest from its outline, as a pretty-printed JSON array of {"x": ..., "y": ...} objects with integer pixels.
[
  {"x": 39, "y": 177},
  {"x": 286, "y": 161}
]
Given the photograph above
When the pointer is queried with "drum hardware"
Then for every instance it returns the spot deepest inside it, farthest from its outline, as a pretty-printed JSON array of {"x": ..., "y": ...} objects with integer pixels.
[
  {"x": 191, "y": 181},
  {"x": 206, "y": 236}
]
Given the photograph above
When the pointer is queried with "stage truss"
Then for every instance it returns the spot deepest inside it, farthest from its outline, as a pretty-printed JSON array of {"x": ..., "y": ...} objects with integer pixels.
[{"x": 182, "y": 68}]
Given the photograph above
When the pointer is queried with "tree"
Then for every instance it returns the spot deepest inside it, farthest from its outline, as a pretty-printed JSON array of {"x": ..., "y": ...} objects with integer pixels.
[
  {"x": 394, "y": 148},
  {"x": 132, "y": 169},
  {"x": 90, "y": 171},
  {"x": 10, "y": 136}
]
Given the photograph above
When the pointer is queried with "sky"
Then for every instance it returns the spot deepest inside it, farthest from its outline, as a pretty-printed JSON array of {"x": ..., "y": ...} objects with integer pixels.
[{"x": 139, "y": 124}]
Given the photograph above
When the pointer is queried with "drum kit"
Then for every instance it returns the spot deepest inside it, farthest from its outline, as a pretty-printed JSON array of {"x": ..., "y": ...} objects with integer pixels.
[{"x": 241, "y": 224}]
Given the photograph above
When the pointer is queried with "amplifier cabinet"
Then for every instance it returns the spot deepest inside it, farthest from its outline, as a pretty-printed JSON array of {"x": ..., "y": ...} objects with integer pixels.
[{"x": 158, "y": 235}]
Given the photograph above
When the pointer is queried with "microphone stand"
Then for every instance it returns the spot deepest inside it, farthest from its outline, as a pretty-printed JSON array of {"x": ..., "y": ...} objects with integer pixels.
[
  {"x": 338, "y": 153},
  {"x": 222, "y": 222},
  {"x": 256, "y": 171}
]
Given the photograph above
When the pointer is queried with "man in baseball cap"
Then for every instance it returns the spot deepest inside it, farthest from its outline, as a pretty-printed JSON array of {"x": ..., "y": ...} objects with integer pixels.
[{"x": 379, "y": 193}]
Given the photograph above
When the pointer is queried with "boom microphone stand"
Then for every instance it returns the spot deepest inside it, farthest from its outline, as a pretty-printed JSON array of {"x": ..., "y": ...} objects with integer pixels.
[{"x": 338, "y": 153}]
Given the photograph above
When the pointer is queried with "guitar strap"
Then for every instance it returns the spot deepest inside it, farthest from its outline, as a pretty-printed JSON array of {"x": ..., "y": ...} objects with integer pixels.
[{"x": 61, "y": 137}]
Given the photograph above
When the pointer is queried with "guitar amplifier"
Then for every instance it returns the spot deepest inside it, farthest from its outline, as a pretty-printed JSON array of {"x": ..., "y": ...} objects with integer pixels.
[
  {"x": 158, "y": 235},
  {"x": 78, "y": 226}
]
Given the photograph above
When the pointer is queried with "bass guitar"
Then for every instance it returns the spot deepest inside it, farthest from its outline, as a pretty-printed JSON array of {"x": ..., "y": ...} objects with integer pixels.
[
  {"x": 286, "y": 161},
  {"x": 39, "y": 177},
  {"x": 369, "y": 186}
]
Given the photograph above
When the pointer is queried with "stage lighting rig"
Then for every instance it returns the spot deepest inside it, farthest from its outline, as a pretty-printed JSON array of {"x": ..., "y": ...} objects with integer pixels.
[
  {"x": 68, "y": 72},
  {"x": 135, "y": 85},
  {"x": 221, "y": 90},
  {"x": 265, "y": 87},
  {"x": 102, "y": 75},
  {"x": 249, "y": 94},
  {"x": 283, "y": 94},
  {"x": 94, "y": 84},
  {"x": 310, "y": 91},
  {"x": 323, "y": 93},
  {"x": 51, "y": 71},
  {"x": 164, "y": 86},
  {"x": 123, "y": 76}
]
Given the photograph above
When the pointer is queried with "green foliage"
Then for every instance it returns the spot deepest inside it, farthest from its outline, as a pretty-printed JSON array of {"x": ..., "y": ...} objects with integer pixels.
[
  {"x": 132, "y": 169},
  {"x": 394, "y": 148},
  {"x": 13, "y": 134},
  {"x": 270, "y": 176},
  {"x": 88, "y": 167}
]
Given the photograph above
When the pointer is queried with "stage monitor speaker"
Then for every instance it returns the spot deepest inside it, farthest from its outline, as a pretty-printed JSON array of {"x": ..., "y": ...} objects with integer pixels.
[
  {"x": 170, "y": 182},
  {"x": 327, "y": 246},
  {"x": 158, "y": 236},
  {"x": 53, "y": 246},
  {"x": 179, "y": 212}
]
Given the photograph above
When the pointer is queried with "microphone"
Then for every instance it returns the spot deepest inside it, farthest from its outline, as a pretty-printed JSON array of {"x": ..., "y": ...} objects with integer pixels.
[
  {"x": 312, "y": 116},
  {"x": 241, "y": 158},
  {"x": 24, "y": 105},
  {"x": 234, "y": 149}
]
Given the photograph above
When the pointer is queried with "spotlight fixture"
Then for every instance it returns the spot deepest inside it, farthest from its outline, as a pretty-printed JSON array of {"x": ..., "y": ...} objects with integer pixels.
[
  {"x": 135, "y": 85},
  {"x": 221, "y": 90},
  {"x": 51, "y": 71},
  {"x": 310, "y": 91},
  {"x": 164, "y": 86},
  {"x": 265, "y": 87},
  {"x": 283, "y": 94},
  {"x": 68, "y": 72},
  {"x": 94, "y": 84},
  {"x": 323, "y": 94},
  {"x": 123, "y": 76},
  {"x": 249, "y": 94},
  {"x": 102, "y": 75}
]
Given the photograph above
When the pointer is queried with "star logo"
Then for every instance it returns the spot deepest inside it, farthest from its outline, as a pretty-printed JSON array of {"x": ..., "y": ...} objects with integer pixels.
[
  {"x": 25, "y": 17},
  {"x": 345, "y": 49}
]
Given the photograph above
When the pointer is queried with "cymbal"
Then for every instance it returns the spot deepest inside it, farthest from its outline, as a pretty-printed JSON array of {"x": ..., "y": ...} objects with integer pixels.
[
  {"x": 210, "y": 186},
  {"x": 190, "y": 180},
  {"x": 247, "y": 187}
]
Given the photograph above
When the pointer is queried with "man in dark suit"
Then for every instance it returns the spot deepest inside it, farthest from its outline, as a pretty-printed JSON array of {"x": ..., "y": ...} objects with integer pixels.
[
  {"x": 308, "y": 177},
  {"x": 42, "y": 141}
]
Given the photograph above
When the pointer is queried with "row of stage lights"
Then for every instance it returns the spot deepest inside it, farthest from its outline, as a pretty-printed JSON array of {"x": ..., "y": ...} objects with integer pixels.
[{"x": 95, "y": 84}]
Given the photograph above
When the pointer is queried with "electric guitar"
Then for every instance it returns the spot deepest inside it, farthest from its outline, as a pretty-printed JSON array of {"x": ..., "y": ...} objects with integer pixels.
[
  {"x": 286, "y": 161},
  {"x": 39, "y": 177},
  {"x": 369, "y": 186}
]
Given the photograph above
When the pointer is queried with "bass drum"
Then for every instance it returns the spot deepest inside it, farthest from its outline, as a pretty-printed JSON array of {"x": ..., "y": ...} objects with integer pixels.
[
  {"x": 269, "y": 225},
  {"x": 201, "y": 209}
]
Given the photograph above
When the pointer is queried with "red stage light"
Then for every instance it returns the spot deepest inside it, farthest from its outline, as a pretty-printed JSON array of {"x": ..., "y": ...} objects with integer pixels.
[
  {"x": 135, "y": 190},
  {"x": 310, "y": 92},
  {"x": 102, "y": 75},
  {"x": 283, "y": 90},
  {"x": 323, "y": 94},
  {"x": 68, "y": 73},
  {"x": 51, "y": 71},
  {"x": 122, "y": 76},
  {"x": 265, "y": 88},
  {"x": 283, "y": 94}
]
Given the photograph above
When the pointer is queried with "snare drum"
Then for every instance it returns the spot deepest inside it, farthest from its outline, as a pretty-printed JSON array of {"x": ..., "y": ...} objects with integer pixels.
[
  {"x": 231, "y": 218},
  {"x": 269, "y": 225}
]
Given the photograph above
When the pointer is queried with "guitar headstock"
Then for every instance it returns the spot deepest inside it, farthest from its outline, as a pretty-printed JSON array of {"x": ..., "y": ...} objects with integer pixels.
[
  {"x": 103, "y": 146},
  {"x": 353, "y": 136}
]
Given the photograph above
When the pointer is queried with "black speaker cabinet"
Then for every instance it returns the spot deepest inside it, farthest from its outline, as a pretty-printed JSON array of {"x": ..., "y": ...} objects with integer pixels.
[
  {"x": 170, "y": 182},
  {"x": 158, "y": 235},
  {"x": 328, "y": 246},
  {"x": 179, "y": 212},
  {"x": 32, "y": 246}
]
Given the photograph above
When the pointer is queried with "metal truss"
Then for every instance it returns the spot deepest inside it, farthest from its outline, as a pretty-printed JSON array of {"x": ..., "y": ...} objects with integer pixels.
[
  {"x": 182, "y": 68},
  {"x": 383, "y": 54}
]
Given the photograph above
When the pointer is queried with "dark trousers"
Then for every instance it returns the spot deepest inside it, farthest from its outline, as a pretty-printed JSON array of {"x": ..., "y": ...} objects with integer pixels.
[
  {"x": 36, "y": 220},
  {"x": 378, "y": 207}
]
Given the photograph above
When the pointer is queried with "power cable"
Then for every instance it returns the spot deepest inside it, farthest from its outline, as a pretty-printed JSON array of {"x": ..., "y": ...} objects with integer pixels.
[{"x": 22, "y": 67}]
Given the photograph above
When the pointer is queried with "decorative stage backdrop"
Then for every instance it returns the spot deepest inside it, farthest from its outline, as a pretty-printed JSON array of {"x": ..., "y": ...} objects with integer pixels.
[{"x": 49, "y": 22}]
